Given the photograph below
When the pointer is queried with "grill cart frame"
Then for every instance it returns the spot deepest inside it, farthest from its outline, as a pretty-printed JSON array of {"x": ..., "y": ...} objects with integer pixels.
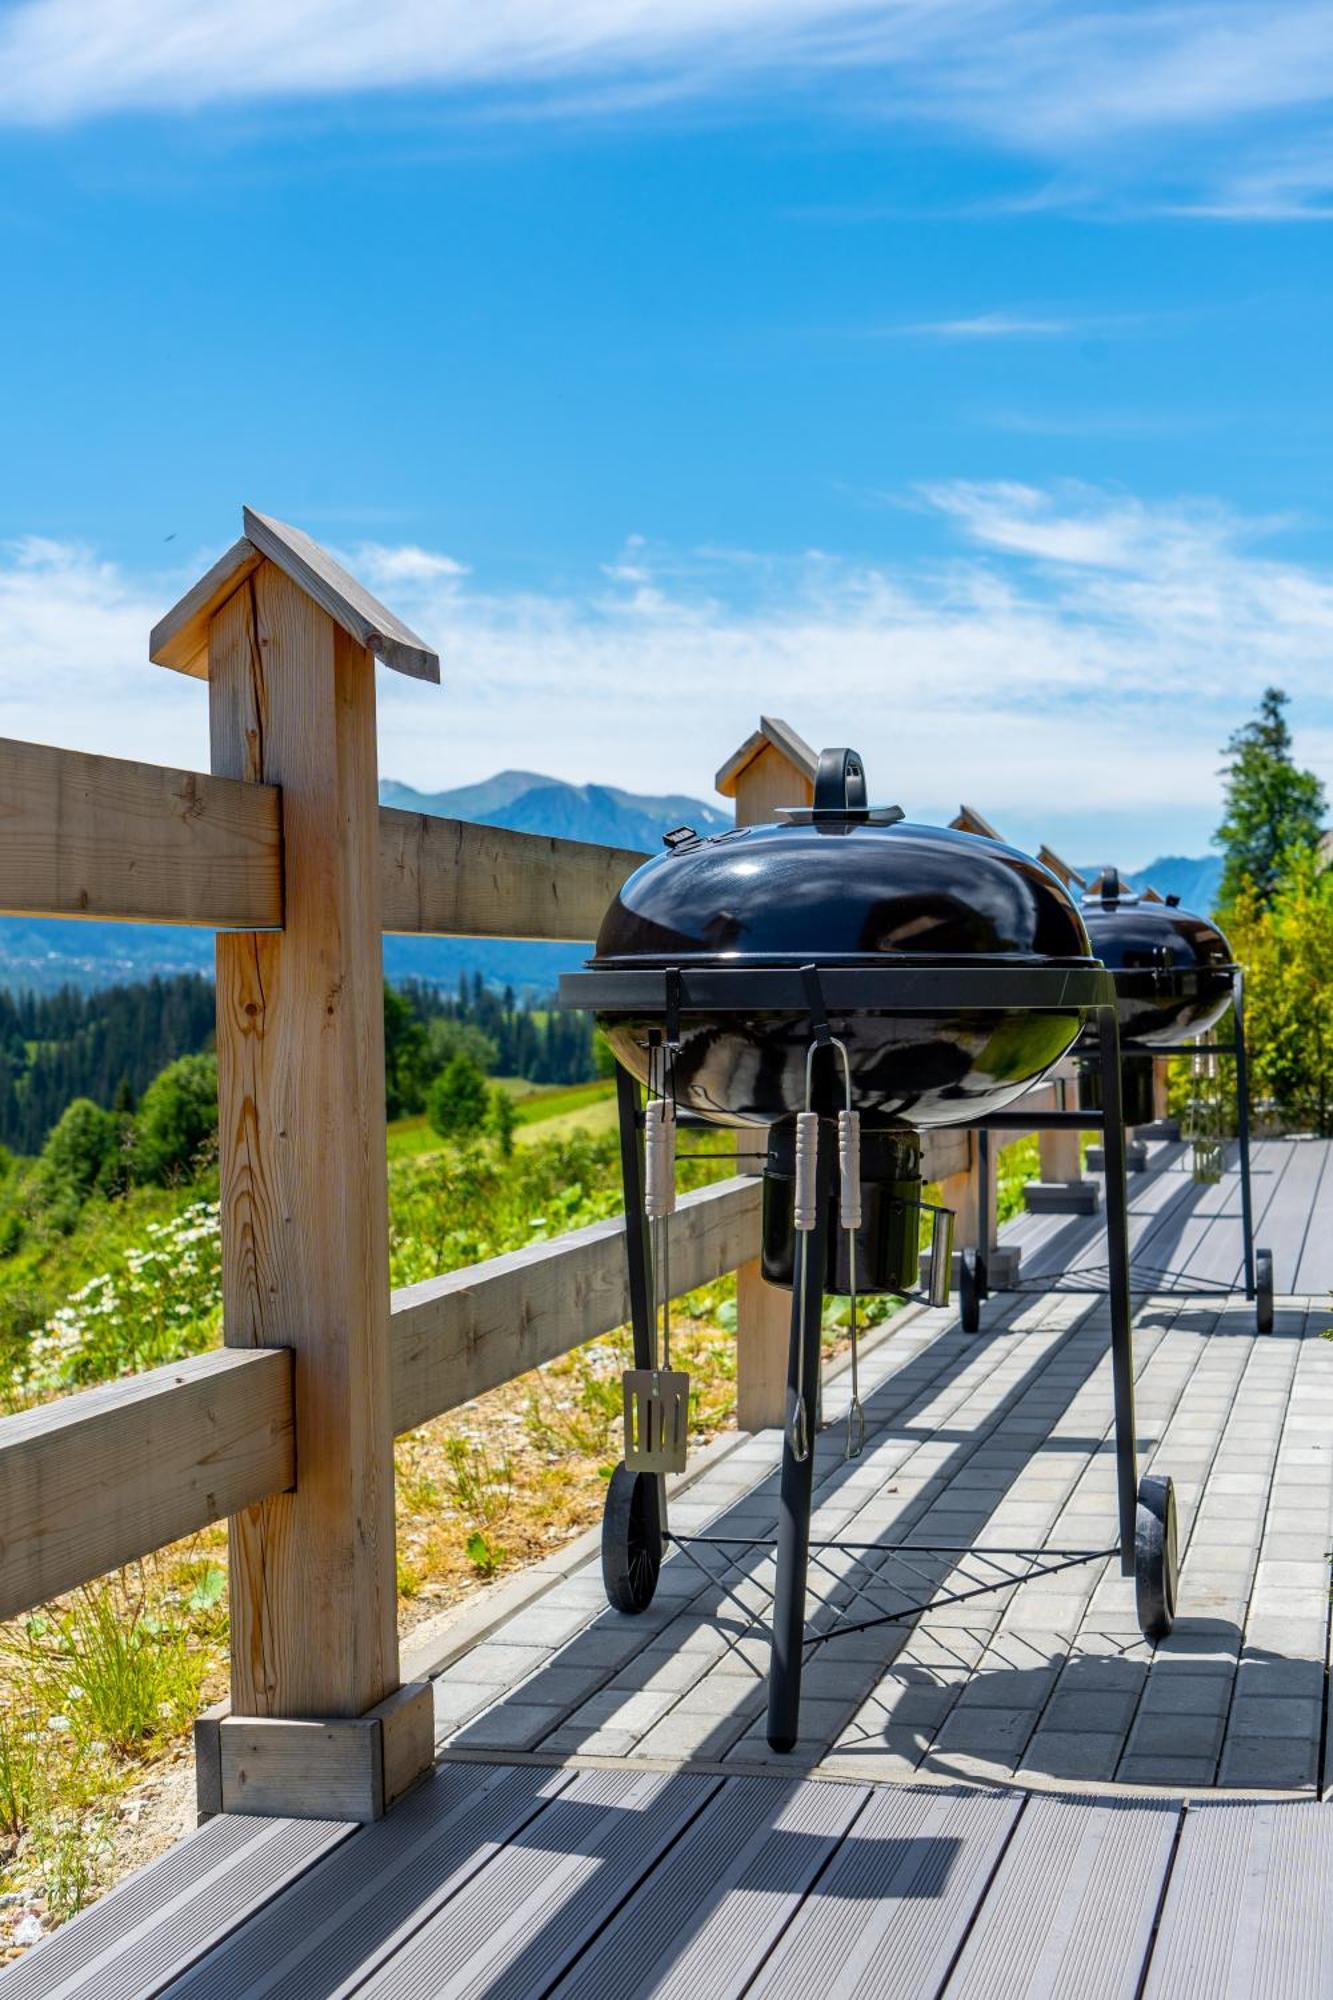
[
  {"x": 1256, "y": 1263},
  {"x": 635, "y": 1528}
]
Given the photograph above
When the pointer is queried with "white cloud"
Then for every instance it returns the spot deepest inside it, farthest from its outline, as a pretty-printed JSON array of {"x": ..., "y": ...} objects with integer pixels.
[
  {"x": 1070, "y": 661},
  {"x": 995, "y": 326},
  {"x": 1060, "y": 80},
  {"x": 383, "y": 567}
]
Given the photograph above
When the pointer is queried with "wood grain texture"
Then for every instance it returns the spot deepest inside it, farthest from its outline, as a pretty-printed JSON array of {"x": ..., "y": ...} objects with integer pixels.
[
  {"x": 770, "y": 780},
  {"x": 366, "y": 621},
  {"x": 105, "y": 838},
  {"x": 456, "y": 1336},
  {"x": 763, "y": 1333},
  {"x": 291, "y": 1768},
  {"x": 180, "y": 637},
  {"x": 85, "y": 836},
  {"x": 302, "y": 1160},
  {"x": 110, "y": 1474},
  {"x": 450, "y": 878}
]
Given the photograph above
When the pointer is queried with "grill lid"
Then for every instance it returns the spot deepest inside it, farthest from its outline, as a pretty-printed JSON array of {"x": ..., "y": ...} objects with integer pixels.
[
  {"x": 840, "y": 882},
  {"x": 1174, "y": 971}
]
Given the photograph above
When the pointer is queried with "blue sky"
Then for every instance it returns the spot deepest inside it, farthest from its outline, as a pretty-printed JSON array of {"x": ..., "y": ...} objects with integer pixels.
[{"x": 950, "y": 378}]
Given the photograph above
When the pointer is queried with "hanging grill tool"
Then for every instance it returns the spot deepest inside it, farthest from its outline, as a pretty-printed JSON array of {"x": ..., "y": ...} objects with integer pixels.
[
  {"x": 657, "y": 1399},
  {"x": 1206, "y": 1118}
]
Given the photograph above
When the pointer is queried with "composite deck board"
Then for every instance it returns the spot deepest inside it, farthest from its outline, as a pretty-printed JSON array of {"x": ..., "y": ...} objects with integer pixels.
[
  {"x": 1207, "y": 1245},
  {"x": 1315, "y": 1270},
  {"x": 1081, "y": 1245},
  {"x": 530, "y": 1913},
  {"x": 342, "y": 1920},
  {"x": 896, "y": 1902},
  {"x": 167, "y": 1915},
  {"x": 1070, "y": 1913},
  {"x": 1247, "y": 1914},
  {"x": 1292, "y": 1221},
  {"x": 707, "y": 1917}
]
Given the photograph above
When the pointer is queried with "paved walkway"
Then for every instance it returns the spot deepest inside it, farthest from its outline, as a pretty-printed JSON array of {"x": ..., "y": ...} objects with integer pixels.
[{"x": 994, "y": 1440}]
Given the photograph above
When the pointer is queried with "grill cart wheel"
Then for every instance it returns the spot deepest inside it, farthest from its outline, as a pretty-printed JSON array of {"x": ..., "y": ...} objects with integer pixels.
[
  {"x": 1155, "y": 1561},
  {"x": 631, "y": 1540},
  {"x": 969, "y": 1292},
  {"x": 1263, "y": 1290}
]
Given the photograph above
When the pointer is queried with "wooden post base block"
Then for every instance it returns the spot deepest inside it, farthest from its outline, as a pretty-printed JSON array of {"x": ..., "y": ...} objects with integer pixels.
[
  {"x": 1002, "y": 1267},
  {"x": 1136, "y": 1157},
  {"x": 345, "y": 1767},
  {"x": 1079, "y": 1197}
]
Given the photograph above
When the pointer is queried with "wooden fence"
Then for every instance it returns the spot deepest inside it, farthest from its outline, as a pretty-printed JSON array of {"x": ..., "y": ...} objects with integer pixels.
[{"x": 287, "y": 1431}]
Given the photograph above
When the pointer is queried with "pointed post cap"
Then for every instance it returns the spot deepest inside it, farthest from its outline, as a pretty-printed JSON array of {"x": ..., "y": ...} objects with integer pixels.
[
  {"x": 180, "y": 640},
  {"x": 1069, "y": 876},
  {"x": 774, "y": 733},
  {"x": 968, "y": 820}
]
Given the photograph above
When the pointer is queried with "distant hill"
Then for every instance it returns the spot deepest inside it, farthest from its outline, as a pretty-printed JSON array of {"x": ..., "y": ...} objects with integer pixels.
[
  {"x": 533, "y": 804},
  {"x": 39, "y": 955},
  {"x": 1195, "y": 882}
]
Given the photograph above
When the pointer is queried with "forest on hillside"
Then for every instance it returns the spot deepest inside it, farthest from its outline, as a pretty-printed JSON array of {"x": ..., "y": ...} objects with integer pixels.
[{"x": 108, "y": 1046}]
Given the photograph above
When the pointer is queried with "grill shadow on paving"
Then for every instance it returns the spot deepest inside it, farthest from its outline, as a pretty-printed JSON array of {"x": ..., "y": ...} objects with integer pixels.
[
  {"x": 683, "y": 1858},
  {"x": 988, "y": 1441}
]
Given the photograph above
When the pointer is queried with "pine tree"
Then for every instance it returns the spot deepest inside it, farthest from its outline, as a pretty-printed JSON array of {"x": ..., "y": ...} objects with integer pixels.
[{"x": 1272, "y": 807}]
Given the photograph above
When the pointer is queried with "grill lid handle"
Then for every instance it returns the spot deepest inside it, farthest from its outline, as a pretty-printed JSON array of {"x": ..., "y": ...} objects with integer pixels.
[
  {"x": 840, "y": 800},
  {"x": 840, "y": 782}
]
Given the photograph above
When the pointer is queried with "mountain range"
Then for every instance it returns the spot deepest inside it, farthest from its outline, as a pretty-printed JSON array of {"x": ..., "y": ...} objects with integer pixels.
[
  {"x": 1195, "y": 882},
  {"x": 41, "y": 954}
]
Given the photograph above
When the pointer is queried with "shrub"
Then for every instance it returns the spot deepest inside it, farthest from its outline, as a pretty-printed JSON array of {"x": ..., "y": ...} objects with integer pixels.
[
  {"x": 450, "y": 1038},
  {"x": 83, "y": 1148},
  {"x": 176, "y": 1129},
  {"x": 458, "y": 1099},
  {"x": 504, "y": 1117}
]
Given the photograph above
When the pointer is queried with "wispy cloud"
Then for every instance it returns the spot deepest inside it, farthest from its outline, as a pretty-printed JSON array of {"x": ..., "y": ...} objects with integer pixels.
[
  {"x": 1071, "y": 655},
  {"x": 994, "y": 326},
  {"x": 1096, "y": 93}
]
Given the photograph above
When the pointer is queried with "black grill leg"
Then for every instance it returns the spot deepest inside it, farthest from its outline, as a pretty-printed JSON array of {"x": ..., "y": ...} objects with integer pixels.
[
  {"x": 1243, "y": 1136},
  {"x": 1117, "y": 1257},
  {"x": 798, "y": 1477}
]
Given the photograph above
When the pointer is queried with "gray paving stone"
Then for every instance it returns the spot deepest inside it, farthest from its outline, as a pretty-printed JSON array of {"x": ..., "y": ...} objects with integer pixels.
[
  {"x": 1176, "y": 1736},
  {"x": 458, "y": 1701},
  {"x": 1099, "y": 1710},
  {"x": 616, "y": 1708},
  {"x": 1162, "y": 1770},
  {"x": 499, "y": 1665},
  {"x": 685, "y": 1735},
  {"x": 1264, "y": 1762},
  {"x": 997, "y": 1732},
  {"x": 1288, "y": 1716},
  {"x": 512, "y": 1726},
  {"x": 1170, "y": 1693},
  {"x": 1055, "y": 1753}
]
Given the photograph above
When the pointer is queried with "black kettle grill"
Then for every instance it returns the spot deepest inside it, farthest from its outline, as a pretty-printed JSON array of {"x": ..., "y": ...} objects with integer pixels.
[
  {"x": 843, "y": 980},
  {"x": 1175, "y": 980}
]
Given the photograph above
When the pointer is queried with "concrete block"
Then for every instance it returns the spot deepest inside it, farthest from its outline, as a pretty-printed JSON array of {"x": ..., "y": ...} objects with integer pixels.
[{"x": 1083, "y": 1197}]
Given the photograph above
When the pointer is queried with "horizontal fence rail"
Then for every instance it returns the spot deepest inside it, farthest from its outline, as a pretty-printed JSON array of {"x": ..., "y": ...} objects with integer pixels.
[
  {"x": 110, "y": 1474},
  {"x": 84, "y": 836},
  {"x": 456, "y": 1336},
  {"x": 101, "y": 837}
]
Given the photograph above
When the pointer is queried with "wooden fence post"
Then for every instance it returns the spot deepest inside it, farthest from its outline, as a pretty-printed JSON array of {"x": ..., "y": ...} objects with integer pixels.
[
  {"x": 774, "y": 767},
  {"x": 319, "y": 1724}
]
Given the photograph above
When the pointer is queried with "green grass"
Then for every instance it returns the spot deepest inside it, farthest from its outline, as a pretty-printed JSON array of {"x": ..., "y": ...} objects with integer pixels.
[{"x": 559, "y": 1109}]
